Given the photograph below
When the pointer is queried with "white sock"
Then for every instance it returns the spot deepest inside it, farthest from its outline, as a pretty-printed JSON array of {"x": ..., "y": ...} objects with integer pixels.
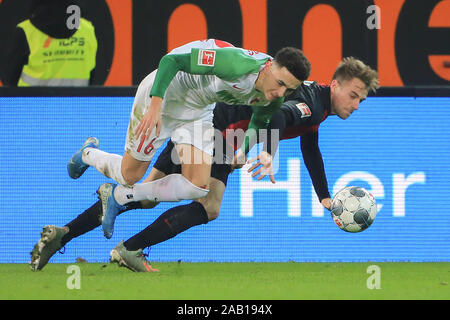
[
  {"x": 171, "y": 188},
  {"x": 109, "y": 164}
]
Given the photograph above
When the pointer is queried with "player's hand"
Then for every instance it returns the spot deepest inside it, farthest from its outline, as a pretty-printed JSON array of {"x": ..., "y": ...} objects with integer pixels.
[
  {"x": 264, "y": 162},
  {"x": 150, "y": 120},
  {"x": 326, "y": 203},
  {"x": 239, "y": 160}
]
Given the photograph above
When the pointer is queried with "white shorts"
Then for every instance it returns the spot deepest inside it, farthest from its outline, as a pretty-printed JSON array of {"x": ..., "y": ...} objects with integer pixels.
[{"x": 198, "y": 132}]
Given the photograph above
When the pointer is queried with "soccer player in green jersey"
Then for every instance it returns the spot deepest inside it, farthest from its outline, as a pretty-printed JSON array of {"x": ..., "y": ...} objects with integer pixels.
[
  {"x": 177, "y": 101},
  {"x": 300, "y": 116}
]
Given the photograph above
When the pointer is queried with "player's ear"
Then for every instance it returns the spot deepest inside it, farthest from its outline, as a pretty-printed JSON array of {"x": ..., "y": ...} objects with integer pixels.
[{"x": 334, "y": 83}]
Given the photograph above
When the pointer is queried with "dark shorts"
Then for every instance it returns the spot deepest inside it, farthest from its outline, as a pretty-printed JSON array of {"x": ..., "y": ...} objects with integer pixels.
[{"x": 166, "y": 165}]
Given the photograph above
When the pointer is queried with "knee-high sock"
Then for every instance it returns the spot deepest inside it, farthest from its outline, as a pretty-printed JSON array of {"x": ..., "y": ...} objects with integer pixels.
[
  {"x": 109, "y": 164},
  {"x": 171, "y": 188},
  {"x": 168, "y": 225},
  {"x": 89, "y": 220}
]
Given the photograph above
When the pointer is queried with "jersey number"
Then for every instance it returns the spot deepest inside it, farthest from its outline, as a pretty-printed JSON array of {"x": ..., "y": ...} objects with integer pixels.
[{"x": 148, "y": 148}]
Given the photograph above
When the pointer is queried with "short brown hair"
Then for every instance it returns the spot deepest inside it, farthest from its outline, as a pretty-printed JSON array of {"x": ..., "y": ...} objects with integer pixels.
[
  {"x": 351, "y": 67},
  {"x": 295, "y": 61}
]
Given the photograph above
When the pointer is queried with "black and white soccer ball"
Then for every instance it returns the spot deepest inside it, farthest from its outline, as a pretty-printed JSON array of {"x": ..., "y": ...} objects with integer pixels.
[{"x": 353, "y": 209}]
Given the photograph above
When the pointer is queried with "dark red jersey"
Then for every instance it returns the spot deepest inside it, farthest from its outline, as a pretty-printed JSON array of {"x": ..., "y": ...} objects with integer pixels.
[
  {"x": 300, "y": 116},
  {"x": 303, "y": 112}
]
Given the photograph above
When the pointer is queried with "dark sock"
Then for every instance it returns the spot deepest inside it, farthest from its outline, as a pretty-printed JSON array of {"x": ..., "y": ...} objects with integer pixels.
[
  {"x": 89, "y": 220},
  {"x": 168, "y": 225}
]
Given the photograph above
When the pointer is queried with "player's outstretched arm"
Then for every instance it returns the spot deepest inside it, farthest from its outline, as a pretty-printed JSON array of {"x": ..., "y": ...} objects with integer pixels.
[
  {"x": 263, "y": 162},
  {"x": 260, "y": 119},
  {"x": 314, "y": 163}
]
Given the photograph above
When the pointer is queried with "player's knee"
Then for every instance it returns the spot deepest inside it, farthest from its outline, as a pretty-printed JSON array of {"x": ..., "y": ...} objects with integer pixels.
[
  {"x": 213, "y": 213},
  {"x": 132, "y": 171},
  {"x": 130, "y": 177},
  {"x": 130, "y": 180},
  {"x": 211, "y": 207}
]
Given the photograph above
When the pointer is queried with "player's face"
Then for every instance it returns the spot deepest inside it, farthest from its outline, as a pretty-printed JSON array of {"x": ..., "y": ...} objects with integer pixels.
[
  {"x": 346, "y": 95},
  {"x": 278, "y": 82}
]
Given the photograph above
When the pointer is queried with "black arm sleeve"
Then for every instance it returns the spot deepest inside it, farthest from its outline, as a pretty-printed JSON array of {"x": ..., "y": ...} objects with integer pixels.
[
  {"x": 314, "y": 163},
  {"x": 279, "y": 121},
  {"x": 16, "y": 58}
]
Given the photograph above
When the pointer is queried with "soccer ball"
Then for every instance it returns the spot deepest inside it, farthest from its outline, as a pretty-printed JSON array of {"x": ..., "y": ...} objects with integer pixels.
[{"x": 353, "y": 209}]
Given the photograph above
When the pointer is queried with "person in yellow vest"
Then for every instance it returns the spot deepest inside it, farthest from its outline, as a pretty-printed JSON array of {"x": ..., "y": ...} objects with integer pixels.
[{"x": 50, "y": 50}]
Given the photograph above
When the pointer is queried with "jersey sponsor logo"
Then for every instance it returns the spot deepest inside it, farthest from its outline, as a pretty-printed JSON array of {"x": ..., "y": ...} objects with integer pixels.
[
  {"x": 304, "y": 109},
  {"x": 206, "y": 58}
]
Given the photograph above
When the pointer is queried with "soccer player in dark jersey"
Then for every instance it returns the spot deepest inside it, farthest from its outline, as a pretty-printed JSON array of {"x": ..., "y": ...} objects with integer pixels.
[{"x": 300, "y": 115}]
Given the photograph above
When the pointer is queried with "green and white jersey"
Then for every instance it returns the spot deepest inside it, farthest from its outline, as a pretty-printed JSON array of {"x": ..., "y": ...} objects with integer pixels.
[{"x": 201, "y": 73}]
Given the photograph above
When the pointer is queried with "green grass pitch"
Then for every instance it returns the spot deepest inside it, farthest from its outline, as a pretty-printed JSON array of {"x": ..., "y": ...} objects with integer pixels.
[{"x": 225, "y": 281}]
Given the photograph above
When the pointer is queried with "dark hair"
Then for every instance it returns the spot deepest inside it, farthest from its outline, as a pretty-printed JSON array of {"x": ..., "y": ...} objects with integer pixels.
[
  {"x": 295, "y": 61},
  {"x": 351, "y": 67}
]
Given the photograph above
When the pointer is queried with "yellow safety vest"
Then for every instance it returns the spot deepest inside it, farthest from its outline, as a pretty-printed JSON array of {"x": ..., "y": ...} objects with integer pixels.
[{"x": 59, "y": 62}]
